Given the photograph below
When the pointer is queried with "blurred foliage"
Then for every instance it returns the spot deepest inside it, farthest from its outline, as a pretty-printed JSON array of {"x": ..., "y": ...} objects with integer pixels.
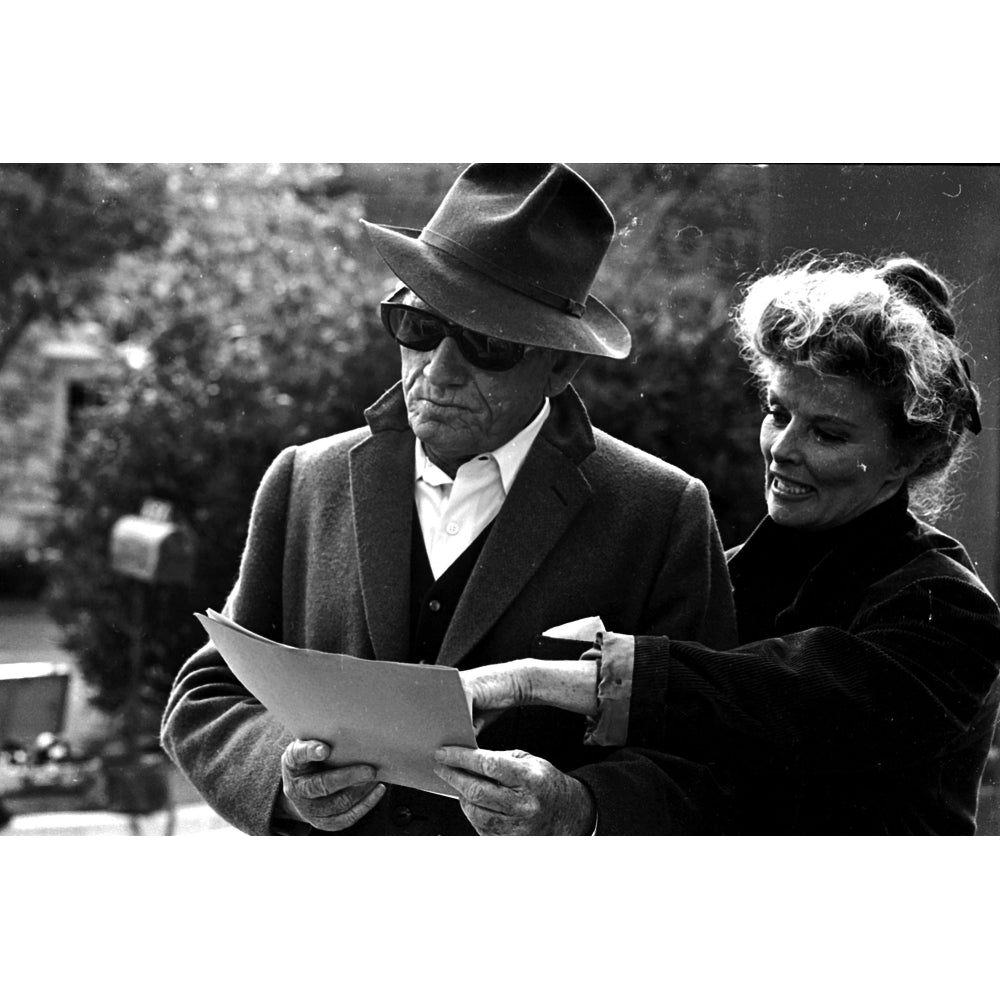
[
  {"x": 61, "y": 228},
  {"x": 61, "y": 224},
  {"x": 251, "y": 323},
  {"x": 687, "y": 235},
  {"x": 250, "y": 327}
]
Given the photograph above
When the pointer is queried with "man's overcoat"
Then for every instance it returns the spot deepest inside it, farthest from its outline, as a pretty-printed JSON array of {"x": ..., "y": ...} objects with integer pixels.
[{"x": 591, "y": 526}]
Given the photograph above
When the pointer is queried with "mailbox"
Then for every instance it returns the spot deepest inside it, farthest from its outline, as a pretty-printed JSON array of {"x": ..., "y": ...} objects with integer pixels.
[{"x": 151, "y": 547}]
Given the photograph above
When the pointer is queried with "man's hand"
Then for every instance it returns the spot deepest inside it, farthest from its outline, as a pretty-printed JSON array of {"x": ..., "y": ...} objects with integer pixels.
[
  {"x": 510, "y": 792},
  {"x": 324, "y": 796}
]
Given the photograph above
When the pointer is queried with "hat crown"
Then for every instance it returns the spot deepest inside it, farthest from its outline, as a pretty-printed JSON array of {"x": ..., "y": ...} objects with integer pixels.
[
  {"x": 512, "y": 252},
  {"x": 542, "y": 223}
]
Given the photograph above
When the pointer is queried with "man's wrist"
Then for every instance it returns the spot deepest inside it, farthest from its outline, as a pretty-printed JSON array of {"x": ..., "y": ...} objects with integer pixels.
[
  {"x": 286, "y": 821},
  {"x": 283, "y": 809},
  {"x": 584, "y": 810}
]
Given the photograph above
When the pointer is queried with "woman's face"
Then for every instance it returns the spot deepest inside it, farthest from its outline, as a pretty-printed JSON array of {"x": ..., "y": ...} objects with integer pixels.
[{"x": 827, "y": 449}]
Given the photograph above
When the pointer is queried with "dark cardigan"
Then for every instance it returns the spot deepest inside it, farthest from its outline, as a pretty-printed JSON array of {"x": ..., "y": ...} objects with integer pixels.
[{"x": 872, "y": 706}]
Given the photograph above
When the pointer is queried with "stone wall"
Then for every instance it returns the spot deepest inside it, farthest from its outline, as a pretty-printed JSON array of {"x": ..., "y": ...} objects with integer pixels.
[{"x": 35, "y": 385}]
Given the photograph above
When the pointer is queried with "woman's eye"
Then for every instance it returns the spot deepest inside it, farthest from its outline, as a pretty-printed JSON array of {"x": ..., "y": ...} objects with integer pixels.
[
  {"x": 780, "y": 417},
  {"x": 828, "y": 436}
]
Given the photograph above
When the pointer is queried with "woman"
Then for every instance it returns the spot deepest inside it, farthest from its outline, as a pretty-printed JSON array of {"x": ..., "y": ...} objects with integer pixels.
[{"x": 863, "y": 696}]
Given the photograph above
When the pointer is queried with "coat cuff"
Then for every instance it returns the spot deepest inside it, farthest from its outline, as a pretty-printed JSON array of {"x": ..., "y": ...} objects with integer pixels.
[{"x": 609, "y": 727}]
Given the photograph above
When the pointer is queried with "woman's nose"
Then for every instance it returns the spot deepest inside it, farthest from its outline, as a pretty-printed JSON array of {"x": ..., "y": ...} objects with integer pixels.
[{"x": 785, "y": 444}]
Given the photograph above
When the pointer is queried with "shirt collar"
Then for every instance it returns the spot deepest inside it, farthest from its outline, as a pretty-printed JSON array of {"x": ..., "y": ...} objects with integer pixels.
[{"x": 509, "y": 457}]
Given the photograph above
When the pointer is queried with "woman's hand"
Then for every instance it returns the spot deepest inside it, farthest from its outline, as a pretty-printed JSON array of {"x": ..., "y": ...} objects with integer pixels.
[
  {"x": 566, "y": 684},
  {"x": 499, "y": 685},
  {"x": 496, "y": 687}
]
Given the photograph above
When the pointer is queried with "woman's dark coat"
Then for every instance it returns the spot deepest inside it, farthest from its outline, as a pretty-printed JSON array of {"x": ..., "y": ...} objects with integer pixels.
[{"x": 873, "y": 710}]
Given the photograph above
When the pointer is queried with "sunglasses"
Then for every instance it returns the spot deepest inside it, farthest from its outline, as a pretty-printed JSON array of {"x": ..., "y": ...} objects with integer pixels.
[{"x": 419, "y": 330}]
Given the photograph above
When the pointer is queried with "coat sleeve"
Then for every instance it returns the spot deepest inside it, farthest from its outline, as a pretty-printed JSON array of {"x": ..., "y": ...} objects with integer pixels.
[
  {"x": 692, "y": 597},
  {"x": 913, "y": 672},
  {"x": 216, "y": 732},
  {"x": 644, "y": 790}
]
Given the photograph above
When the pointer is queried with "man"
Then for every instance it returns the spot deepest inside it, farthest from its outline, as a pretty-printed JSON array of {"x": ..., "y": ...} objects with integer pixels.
[{"x": 478, "y": 509}]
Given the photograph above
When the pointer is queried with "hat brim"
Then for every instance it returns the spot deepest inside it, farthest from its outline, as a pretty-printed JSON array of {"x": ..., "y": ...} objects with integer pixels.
[{"x": 473, "y": 299}]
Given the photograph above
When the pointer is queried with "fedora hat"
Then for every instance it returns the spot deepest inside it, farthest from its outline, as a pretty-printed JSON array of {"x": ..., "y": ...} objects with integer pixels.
[{"x": 512, "y": 251}]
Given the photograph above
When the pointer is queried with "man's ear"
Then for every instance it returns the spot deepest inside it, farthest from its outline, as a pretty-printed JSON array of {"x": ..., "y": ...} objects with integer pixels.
[{"x": 565, "y": 368}]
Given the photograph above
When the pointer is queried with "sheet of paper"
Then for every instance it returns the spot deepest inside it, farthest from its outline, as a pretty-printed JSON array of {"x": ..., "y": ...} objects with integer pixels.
[
  {"x": 391, "y": 715},
  {"x": 583, "y": 628}
]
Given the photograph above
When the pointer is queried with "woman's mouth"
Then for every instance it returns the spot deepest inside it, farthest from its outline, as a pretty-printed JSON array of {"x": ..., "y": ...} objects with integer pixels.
[{"x": 787, "y": 488}]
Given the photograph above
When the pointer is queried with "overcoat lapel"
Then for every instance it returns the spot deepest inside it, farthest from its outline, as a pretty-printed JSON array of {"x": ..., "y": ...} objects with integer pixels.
[
  {"x": 548, "y": 493},
  {"x": 382, "y": 499}
]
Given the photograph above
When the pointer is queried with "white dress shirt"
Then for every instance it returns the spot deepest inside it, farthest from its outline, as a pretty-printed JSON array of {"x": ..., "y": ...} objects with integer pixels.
[{"x": 453, "y": 512}]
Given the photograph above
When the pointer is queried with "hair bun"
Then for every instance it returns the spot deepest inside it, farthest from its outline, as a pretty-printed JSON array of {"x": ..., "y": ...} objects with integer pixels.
[{"x": 923, "y": 288}]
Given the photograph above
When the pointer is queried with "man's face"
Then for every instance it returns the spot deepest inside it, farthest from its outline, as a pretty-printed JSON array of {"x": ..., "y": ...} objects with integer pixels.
[{"x": 458, "y": 410}]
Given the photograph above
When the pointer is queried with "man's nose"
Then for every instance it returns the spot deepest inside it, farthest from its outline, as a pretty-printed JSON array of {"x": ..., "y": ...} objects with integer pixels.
[{"x": 446, "y": 363}]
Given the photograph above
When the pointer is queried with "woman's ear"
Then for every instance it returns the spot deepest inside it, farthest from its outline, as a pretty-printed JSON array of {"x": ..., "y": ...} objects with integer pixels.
[
  {"x": 564, "y": 369},
  {"x": 907, "y": 462}
]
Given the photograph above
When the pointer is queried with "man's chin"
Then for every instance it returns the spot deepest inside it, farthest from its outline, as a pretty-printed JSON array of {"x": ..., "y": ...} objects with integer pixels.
[
  {"x": 437, "y": 434},
  {"x": 444, "y": 448}
]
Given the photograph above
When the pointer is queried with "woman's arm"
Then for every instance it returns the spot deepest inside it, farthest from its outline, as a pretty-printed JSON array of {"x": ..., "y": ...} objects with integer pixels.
[
  {"x": 911, "y": 675},
  {"x": 567, "y": 684}
]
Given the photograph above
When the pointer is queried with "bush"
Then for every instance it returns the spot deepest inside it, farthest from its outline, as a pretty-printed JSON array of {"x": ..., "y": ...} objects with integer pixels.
[
  {"x": 254, "y": 325},
  {"x": 687, "y": 236},
  {"x": 258, "y": 330}
]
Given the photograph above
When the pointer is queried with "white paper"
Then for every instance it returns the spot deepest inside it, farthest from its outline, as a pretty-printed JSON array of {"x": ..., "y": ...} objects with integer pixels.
[
  {"x": 390, "y": 715},
  {"x": 583, "y": 628}
]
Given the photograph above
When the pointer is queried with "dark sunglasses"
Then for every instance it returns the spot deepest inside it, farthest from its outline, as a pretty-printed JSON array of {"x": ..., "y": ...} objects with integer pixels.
[{"x": 420, "y": 330}]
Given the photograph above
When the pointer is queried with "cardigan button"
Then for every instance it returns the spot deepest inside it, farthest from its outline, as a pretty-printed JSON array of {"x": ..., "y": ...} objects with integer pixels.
[
  {"x": 401, "y": 816},
  {"x": 434, "y": 605}
]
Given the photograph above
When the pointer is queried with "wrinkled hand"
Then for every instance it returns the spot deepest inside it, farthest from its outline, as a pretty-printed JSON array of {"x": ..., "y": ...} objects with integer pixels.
[
  {"x": 510, "y": 792},
  {"x": 323, "y": 795},
  {"x": 494, "y": 688}
]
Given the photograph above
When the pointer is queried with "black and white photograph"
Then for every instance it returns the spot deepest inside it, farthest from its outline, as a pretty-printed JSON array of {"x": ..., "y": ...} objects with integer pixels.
[
  {"x": 357, "y": 485},
  {"x": 687, "y": 473}
]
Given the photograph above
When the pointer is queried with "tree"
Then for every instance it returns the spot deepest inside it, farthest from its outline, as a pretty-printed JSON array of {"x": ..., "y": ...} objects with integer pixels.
[
  {"x": 253, "y": 324},
  {"x": 251, "y": 327},
  {"x": 687, "y": 236},
  {"x": 60, "y": 226}
]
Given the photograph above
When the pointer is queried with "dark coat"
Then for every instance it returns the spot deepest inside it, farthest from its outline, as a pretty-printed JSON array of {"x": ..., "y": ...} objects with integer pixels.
[
  {"x": 872, "y": 708},
  {"x": 591, "y": 527}
]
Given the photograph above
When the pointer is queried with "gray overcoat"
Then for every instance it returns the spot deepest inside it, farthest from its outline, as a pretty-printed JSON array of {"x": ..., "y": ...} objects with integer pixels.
[{"x": 591, "y": 526}]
